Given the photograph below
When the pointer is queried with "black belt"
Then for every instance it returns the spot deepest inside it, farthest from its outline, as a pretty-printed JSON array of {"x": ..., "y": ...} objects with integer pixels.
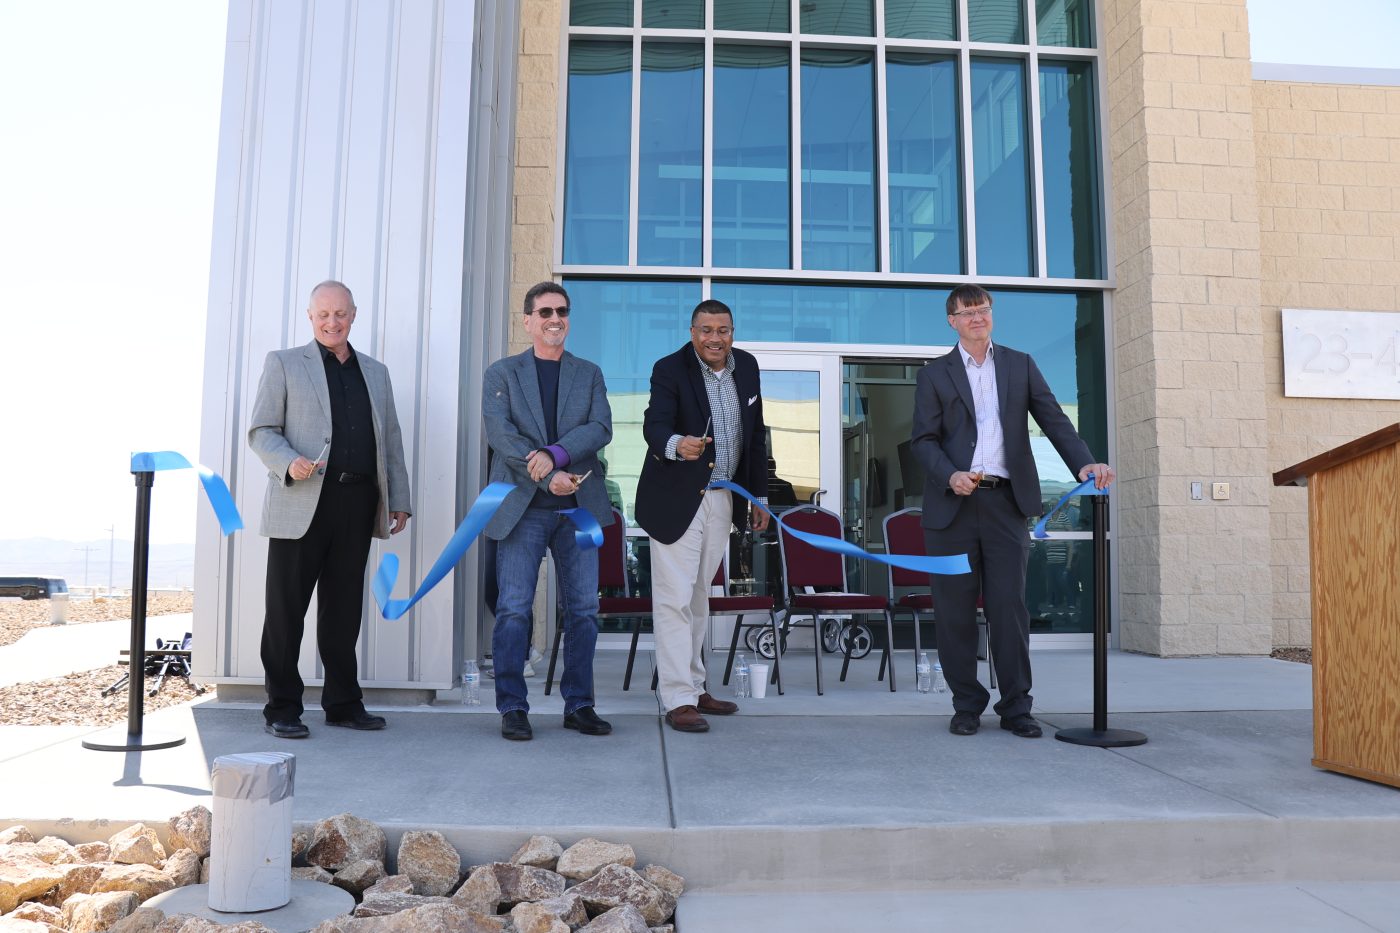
[
  {"x": 353, "y": 479},
  {"x": 992, "y": 482}
]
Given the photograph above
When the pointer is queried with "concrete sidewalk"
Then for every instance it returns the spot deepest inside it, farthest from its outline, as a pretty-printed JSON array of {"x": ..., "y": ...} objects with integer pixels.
[
  {"x": 855, "y": 792},
  {"x": 55, "y": 650}
]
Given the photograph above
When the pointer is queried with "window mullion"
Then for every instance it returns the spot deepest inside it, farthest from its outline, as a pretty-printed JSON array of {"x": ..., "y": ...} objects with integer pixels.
[
  {"x": 1041, "y": 270},
  {"x": 968, "y": 179},
  {"x": 795, "y": 137},
  {"x": 882, "y": 147}
]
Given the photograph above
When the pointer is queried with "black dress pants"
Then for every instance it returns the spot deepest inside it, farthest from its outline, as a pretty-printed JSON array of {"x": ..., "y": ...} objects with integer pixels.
[
  {"x": 991, "y": 531},
  {"x": 329, "y": 560}
]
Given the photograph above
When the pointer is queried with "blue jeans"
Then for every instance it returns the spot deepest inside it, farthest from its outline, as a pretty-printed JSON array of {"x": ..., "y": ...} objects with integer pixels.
[{"x": 518, "y": 557}]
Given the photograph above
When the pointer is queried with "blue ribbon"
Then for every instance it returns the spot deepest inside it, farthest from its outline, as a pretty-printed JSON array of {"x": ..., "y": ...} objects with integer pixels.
[
  {"x": 589, "y": 534},
  {"x": 214, "y": 486},
  {"x": 1085, "y": 488},
  {"x": 950, "y": 565}
]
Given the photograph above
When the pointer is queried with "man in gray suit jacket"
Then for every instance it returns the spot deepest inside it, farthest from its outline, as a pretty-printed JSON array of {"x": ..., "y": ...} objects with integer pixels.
[
  {"x": 972, "y": 438},
  {"x": 546, "y": 410},
  {"x": 325, "y": 425}
]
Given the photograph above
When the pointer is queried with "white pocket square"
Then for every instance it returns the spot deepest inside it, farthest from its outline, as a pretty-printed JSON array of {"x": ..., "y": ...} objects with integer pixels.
[{"x": 752, "y": 400}]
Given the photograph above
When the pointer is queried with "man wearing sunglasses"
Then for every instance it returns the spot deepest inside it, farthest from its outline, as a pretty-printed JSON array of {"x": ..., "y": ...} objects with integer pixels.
[
  {"x": 546, "y": 417},
  {"x": 972, "y": 438}
]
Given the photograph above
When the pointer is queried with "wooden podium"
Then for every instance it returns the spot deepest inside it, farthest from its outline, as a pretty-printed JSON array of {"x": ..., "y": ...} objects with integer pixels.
[{"x": 1354, "y": 537}]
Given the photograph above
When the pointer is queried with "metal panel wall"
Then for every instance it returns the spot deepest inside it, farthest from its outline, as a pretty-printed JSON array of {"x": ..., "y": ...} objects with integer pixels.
[{"x": 343, "y": 153}]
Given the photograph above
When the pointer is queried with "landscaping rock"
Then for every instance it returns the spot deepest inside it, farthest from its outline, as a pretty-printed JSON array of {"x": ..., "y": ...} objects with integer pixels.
[
  {"x": 481, "y": 891},
  {"x": 24, "y": 877},
  {"x": 182, "y": 867},
  {"x": 300, "y": 843},
  {"x": 568, "y": 907},
  {"x": 539, "y": 852},
  {"x": 313, "y": 873},
  {"x": 664, "y": 928},
  {"x": 532, "y": 918},
  {"x": 94, "y": 913},
  {"x": 431, "y": 861},
  {"x": 204, "y": 925},
  {"x": 359, "y": 875},
  {"x": 385, "y": 904},
  {"x": 173, "y": 923},
  {"x": 141, "y": 920},
  {"x": 586, "y": 858},
  {"x": 342, "y": 839},
  {"x": 142, "y": 880},
  {"x": 77, "y": 879},
  {"x": 138, "y": 844},
  {"x": 192, "y": 830},
  {"x": 10, "y": 924},
  {"x": 524, "y": 883},
  {"x": 665, "y": 879},
  {"x": 94, "y": 852},
  {"x": 55, "y": 851},
  {"x": 429, "y": 918},
  {"x": 37, "y": 913},
  {"x": 393, "y": 884},
  {"x": 616, "y": 885},
  {"x": 624, "y": 919},
  {"x": 204, "y": 871},
  {"x": 16, "y": 833}
]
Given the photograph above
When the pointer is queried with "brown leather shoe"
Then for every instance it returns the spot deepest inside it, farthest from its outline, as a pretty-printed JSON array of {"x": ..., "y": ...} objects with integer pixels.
[
  {"x": 687, "y": 719},
  {"x": 709, "y": 704}
]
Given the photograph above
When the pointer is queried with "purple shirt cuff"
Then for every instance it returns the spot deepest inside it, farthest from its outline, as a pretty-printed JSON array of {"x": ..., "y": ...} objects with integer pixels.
[{"x": 560, "y": 455}]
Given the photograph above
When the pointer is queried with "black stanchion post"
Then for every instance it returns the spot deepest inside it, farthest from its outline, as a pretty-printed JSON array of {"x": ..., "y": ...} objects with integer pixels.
[
  {"x": 1100, "y": 736},
  {"x": 134, "y": 739}
]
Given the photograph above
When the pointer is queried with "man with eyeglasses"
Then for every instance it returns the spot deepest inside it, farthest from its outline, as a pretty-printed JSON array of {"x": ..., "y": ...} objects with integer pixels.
[
  {"x": 972, "y": 438},
  {"x": 546, "y": 416},
  {"x": 704, "y": 422}
]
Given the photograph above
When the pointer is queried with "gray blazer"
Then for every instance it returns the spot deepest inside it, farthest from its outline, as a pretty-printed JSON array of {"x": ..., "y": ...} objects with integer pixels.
[
  {"x": 945, "y": 430},
  {"x": 513, "y": 417},
  {"x": 291, "y": 417}
]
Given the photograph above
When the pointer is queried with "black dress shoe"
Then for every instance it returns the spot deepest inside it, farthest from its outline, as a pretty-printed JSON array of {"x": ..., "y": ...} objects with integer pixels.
[
  {"x": 361, "y": 720},
  {"x": 1023, "y": 725},
  {"x": 965, "y": 723},
  {"x": 585, "y": 720},
  {"x": 515, "y": 726},
  {"x": 288, "y": 729}
]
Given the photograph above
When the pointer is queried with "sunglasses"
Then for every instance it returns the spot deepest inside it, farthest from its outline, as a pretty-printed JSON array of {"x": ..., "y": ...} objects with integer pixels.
[{"x": 547, "y": 313}]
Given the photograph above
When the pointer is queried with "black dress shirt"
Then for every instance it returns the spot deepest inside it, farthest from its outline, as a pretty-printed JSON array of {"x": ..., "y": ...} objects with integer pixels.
[
  {"x": 352, "y": 420},
  {"x": 547, "y": 372}
]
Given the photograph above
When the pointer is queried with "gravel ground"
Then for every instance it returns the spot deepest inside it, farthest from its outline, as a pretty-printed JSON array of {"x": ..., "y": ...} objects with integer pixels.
[
  {"x": 1301, "y": 655},
  {"x": 19, "y": 617},
  {"x": 76, "y": 699}
]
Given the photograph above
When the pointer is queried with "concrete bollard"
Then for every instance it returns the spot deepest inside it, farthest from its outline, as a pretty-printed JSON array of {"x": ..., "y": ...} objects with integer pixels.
[
  {"x": 250, "y": 853},
  {"x": 58, "y": 608}
]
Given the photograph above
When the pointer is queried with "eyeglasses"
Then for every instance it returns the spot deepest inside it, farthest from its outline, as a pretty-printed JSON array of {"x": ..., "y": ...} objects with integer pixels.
[
  {"x": 547, "y": 313},
  {"x": 984, "y": 311},
  {"x": 714, "y": 331}
]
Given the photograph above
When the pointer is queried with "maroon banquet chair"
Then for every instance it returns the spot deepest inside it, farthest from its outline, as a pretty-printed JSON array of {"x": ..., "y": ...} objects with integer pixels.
[
  {"x": 612, "y": 575},
  {"x": 806, "y": 566},
  {"x": 904, "y": 534}
]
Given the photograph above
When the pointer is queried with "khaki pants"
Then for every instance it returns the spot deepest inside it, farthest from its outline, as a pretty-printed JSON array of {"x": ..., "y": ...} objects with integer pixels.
[{"x": 681, "y": 574}]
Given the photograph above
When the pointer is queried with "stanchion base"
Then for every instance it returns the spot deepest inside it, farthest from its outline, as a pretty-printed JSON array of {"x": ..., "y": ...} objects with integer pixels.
[
  {"x": 119, "y": 740},
  {"x": 1102, "y": 738}
]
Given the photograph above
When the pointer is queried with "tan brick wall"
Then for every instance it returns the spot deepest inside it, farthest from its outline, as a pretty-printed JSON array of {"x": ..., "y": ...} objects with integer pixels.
[
  {"x": 1189, "y": 347},
  {"x": 536, "y": 159},
  {"x": 1328, "y": 161}
]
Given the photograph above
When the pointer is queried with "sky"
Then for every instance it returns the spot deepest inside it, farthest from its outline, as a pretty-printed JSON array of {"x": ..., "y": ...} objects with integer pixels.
[{"x": 109, "y": 122}]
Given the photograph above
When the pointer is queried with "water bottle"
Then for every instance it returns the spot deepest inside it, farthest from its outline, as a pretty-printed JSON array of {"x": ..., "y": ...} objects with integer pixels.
[
  {"x": 741, "y": 676},
  {"x": 471, "y": 684},
  {"x": 924, "y": 672},
  {"x": 939, "y": 684}
]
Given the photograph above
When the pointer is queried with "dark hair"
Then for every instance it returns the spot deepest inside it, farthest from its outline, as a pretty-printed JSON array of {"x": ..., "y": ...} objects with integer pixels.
[
  {"x": 543, "y": 288},
  {"x": 711, "y": 306},
  {"x": 968, "y": 295}
]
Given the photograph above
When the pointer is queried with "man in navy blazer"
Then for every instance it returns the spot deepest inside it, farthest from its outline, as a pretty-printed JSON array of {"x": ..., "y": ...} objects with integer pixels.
[
  {"x": 704, "y": 422},
  {"x": 972, "y": 438},
  {"x": 546, "y": 416}
]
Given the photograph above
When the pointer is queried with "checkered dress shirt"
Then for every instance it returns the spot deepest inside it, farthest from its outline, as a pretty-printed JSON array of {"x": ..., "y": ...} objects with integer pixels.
[{"x": 724, "y": 418}]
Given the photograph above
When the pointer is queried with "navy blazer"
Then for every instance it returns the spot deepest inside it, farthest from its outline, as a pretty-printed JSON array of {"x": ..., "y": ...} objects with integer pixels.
[
  {"x": 945, "y": 430},
  {"x": 669, "y": 491},
  {"x": 513, "y": 415}
]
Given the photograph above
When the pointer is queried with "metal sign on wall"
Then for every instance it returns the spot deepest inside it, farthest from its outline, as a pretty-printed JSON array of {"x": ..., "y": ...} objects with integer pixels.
[{"x": 1341, "y": 354}]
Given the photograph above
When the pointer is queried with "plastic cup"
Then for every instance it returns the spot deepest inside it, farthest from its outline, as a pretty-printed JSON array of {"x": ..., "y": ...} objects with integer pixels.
[{"x": 758, "y": 680}]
